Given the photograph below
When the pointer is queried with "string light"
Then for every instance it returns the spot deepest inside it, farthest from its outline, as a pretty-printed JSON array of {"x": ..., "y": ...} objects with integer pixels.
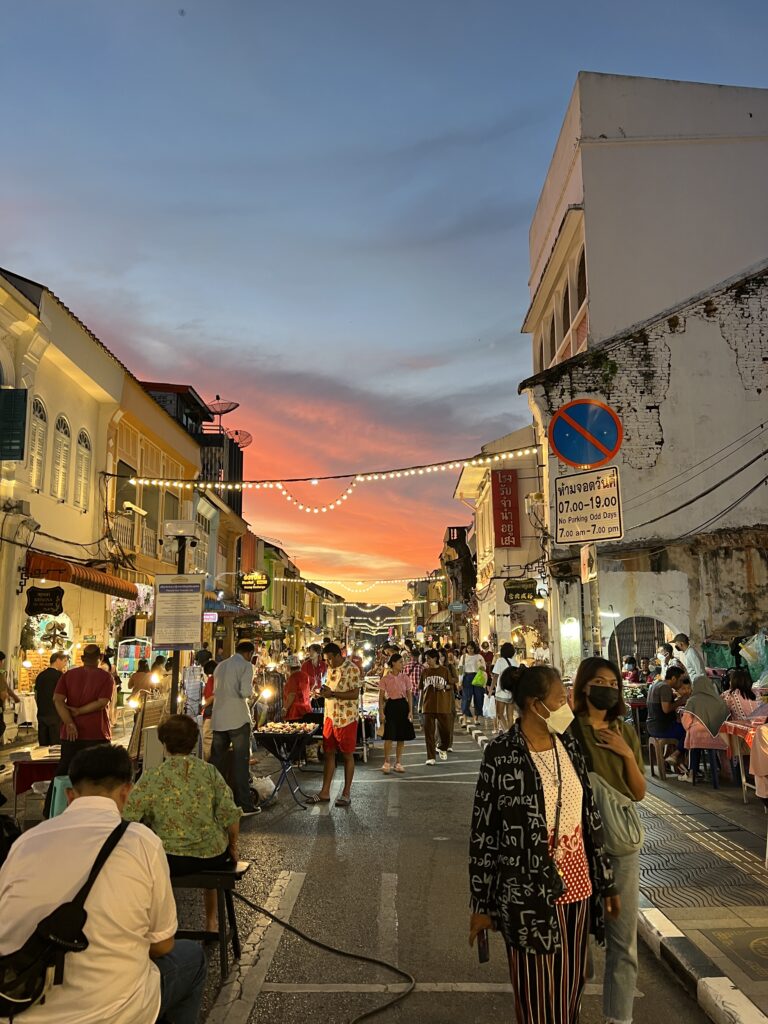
[
  {"x": 329, "y": 507},
  {"x": 368, "y": 476}
]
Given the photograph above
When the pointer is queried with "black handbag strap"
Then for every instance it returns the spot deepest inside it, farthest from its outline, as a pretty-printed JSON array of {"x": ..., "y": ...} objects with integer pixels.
[{"x": 109, "y": 844}]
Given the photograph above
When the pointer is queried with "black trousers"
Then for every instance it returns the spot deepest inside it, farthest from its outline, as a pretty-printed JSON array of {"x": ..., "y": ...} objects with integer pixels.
[
  {"x": 48, "y": 732},
  {"x": 68, "y": 750}
]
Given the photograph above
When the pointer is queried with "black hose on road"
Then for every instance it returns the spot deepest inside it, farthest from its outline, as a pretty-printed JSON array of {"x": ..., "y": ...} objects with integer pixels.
[{"x": 398, "y": 998}]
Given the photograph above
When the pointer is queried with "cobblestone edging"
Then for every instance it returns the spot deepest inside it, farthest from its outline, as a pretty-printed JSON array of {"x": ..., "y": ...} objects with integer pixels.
[{"x": 715, "y": 993}]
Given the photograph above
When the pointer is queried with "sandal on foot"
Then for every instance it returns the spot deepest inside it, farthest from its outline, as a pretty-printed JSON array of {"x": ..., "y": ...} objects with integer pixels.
[
  {"x": 386, "y": 768},
  {"x": 317, "y": 799},
  {"x": 343, "y": 801},
  {"x": 399, "y": 768}
]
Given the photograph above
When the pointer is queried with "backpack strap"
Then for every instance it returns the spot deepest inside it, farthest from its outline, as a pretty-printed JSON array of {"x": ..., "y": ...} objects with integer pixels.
[{"x": 109, "y": 844}]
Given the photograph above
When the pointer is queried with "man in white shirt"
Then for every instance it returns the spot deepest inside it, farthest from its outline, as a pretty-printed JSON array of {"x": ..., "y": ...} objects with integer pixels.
[
  {"x": 133, "y": 971},
  {"x": 693, "y": 663},
  {"x": 231, "y": 721}
]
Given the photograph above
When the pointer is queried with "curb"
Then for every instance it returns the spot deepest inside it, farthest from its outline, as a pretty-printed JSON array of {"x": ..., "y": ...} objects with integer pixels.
[{"x": 717, "y": 996}]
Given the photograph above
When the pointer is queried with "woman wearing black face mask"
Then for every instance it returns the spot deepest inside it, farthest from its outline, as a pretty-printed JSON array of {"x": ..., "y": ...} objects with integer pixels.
[{"x": 612, "y": 751}]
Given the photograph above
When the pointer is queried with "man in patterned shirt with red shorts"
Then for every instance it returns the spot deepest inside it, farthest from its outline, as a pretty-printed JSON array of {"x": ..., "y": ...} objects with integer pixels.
[{"x": 342, "y": 693}]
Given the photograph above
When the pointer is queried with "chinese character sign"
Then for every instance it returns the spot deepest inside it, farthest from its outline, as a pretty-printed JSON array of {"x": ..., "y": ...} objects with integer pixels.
[{"x": 506, "y": 508}]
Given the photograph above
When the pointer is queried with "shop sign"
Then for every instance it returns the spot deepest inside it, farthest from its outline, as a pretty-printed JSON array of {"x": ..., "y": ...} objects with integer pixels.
[
  {"x": 457, "y": 606},
  {"x": 521, "y": 591},
  {"x": 254, "y": 582},
  {"x": 588, "y": 563},
  {"x": 588, "y": 507},
  {"x": 210, "y": 616},
  {"x": 506, "y": 508},
  {"x": 45, "y": 601},
  {"x": 178, "y": 611}
]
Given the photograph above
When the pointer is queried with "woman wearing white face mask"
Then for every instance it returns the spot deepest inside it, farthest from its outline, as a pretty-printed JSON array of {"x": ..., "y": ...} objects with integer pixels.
[{"x": 537, "y": 868}]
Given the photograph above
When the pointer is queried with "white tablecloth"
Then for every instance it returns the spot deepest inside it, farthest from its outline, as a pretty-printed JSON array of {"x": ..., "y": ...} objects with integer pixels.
[{"x": 27, "y": 711}]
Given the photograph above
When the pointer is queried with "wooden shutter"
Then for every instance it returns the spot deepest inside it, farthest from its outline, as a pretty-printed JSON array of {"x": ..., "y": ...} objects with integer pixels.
[
  {"x": 37, "y": 433},
  {"x": 82, "y": 471},
  {"x": 62, "y": 446}
]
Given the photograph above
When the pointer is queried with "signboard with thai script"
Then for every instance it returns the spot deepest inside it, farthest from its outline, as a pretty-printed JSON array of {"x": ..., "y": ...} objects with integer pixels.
[
  {"x": 506, "y": 508},
  {"x": 178, "y": 611},
  {"x": 588, "y": 507}
]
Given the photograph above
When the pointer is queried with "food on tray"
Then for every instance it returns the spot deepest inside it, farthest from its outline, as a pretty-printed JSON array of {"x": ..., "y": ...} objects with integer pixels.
[{"x": 288, "y": 728}]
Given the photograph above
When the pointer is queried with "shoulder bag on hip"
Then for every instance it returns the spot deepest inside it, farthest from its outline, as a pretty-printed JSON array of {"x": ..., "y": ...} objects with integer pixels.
[
  {"x": 622, "y": 828},
  {"x": 27, "y": 974}
]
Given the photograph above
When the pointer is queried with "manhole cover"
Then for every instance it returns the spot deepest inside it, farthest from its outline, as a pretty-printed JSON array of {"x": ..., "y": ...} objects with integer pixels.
[{"x": 747, "y": 947}]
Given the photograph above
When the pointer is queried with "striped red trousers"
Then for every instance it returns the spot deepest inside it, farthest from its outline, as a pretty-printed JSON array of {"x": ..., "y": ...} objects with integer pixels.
[{"x": 548, "y": 986}]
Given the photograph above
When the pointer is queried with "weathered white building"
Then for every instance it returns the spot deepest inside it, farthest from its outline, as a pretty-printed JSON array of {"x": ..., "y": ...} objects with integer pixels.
[
  {"x": 507, "y": 544},
  {"x": 649, "y": 292}
]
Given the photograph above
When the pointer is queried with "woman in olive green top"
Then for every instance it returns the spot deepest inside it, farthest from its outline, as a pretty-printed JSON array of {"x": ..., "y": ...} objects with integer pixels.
[
  {"x": 187, "y": 803},
  {"x": 612, "y": 750}
]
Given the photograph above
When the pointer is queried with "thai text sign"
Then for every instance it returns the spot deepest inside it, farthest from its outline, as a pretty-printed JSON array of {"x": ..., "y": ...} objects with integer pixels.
[
  {"x": 588, "y": 507},
  {"x": 506, "y": 508},
  {"x": 178, "y": 611}
]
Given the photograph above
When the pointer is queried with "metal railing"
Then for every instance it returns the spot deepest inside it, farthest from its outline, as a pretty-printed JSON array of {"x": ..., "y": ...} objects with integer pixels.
[{"x": 149, "y": 541}]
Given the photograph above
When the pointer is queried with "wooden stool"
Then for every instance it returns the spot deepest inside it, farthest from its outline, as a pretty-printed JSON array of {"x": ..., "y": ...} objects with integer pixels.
[
  {"x": 656, "y": 748},
  {"x": 223, "y": 881}
]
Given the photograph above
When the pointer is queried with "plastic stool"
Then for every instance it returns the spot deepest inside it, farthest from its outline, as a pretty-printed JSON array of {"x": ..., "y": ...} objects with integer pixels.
[
  {"x": 657, "y": 746},
  {"x": 714, "y": 765},
  {"x": 60, "y": 785}
]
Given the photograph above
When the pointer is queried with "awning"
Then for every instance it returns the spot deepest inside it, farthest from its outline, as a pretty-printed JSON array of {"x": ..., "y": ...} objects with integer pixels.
[{"x": 59, "y": 570}]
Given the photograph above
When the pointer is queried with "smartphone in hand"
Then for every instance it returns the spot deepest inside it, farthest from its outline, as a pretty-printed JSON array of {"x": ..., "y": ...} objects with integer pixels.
[{"x": 483, "y": 953}]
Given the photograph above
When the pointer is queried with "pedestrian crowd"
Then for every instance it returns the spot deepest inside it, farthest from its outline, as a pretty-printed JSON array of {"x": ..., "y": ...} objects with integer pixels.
[{"x": 555, "y": 836}]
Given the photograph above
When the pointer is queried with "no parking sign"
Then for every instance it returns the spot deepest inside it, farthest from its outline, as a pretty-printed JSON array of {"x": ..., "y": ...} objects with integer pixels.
[{"x": 585, "y": 433}]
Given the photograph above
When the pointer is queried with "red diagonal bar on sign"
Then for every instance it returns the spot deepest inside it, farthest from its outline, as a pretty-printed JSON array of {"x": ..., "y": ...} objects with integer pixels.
[{"x": 585, "y": 433}]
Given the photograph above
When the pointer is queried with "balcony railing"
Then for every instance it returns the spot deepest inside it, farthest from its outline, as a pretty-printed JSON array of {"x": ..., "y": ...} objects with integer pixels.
[
  {"x": 124, "y": 532},
  {"x": 575, "y": 339},
  {"x": 149, "y": 542}
]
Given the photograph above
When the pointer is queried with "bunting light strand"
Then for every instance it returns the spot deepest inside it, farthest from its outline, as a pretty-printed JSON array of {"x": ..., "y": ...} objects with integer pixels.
[
  {"x": 316, "y": 509},
  {"x": 365, "y": 477}
]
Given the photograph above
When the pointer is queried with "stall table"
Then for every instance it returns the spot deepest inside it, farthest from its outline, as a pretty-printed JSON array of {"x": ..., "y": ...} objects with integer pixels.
[
  {"x": 287, "y": 747},
  {"x": 28, "y": 771},
  {"x": 742, "y": 731}
]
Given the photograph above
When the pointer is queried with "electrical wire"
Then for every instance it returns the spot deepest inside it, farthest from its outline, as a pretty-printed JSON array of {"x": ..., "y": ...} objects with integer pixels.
[
  {"x": 730, "y": 508},
  {"x": 703, "y": 494},
  {"x": 679, "y": 481},
  {"x": 398, "y": 998}
]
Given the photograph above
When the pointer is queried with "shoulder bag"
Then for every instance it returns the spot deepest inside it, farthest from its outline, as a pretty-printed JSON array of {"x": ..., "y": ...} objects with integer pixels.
[
  {"x": 27, "y": 974},
  {"x": 622, "y": 827}
]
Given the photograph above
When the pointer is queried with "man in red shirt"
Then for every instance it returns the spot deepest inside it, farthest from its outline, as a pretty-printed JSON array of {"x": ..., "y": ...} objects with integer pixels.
[{"x": 81, "y": 698}]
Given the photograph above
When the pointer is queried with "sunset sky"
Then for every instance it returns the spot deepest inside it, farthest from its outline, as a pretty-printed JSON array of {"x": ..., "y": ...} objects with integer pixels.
[{"x": 319, "y": 208}]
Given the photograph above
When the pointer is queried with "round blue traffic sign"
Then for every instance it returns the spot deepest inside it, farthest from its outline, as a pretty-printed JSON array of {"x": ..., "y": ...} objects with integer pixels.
[{"x": 585, "y": 433}]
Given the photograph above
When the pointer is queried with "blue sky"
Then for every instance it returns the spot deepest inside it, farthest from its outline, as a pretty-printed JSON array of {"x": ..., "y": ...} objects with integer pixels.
[{"x": 320, "y": 203}]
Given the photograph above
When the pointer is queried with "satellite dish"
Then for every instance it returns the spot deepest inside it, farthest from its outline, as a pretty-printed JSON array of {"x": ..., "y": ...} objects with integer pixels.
[
  {"x": 221, "y": 408},
  {"x": 241, "y": 437}
]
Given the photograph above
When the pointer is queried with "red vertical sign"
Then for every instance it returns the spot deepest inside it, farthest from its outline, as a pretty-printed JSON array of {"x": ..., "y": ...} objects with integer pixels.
[{"x": 506, "y": 508}]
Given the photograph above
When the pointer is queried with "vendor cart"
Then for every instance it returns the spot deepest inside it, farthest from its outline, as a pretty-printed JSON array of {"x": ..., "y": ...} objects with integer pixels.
[{"x": 287, "y": 748}]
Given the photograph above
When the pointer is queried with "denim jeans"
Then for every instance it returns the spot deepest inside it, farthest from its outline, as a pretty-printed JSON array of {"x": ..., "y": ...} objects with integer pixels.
[
  {"x": 620, "y": 978},
  {"x": 182, "y": 980},
  {"x": 240, "y": 739}
]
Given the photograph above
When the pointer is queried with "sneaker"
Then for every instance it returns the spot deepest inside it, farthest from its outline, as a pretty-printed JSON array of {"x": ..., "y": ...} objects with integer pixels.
[
  {"x": 429, "y": 760},
  {"x": 450, "y": 750},
  {"x": 250, "y": 814},
  {"x": 442, "y": 755}
]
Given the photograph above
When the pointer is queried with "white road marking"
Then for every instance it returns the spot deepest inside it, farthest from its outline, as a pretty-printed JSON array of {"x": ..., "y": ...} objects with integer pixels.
[
  {"x": 590, "y": 989},
  {"x": 234, "y": 1003},
  {"x": 388, "y": 944}
]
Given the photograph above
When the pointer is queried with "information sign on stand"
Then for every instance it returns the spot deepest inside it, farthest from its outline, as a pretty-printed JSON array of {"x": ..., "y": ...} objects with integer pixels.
[
  {"x": 178, "y": 611},
  {"x": 588, "y": 507}
]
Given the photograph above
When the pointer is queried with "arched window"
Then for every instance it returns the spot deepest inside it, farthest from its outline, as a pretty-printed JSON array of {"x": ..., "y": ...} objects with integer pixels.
[
  {"x": 566, "y": 310},
  {"x": 552, "y": 342},
  {"x": 82, "y": 471},
  {"x": 581, "y": 281},
  {"x": 62, "y": 450},
  {"x": 38, "y": 433}
]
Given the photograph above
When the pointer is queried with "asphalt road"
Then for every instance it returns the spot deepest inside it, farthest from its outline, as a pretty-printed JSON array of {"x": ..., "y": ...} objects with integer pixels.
[{"x": 386, "y": 877}]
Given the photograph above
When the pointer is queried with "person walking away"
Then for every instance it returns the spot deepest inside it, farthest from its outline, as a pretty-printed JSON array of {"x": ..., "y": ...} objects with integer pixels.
[
  {"x": 437, "y": 706},
  {"x": 133, "y": 970},
  {"x": 189, "y": 806},
  {"x": 538, "y": 871},
  {"x": 487, "y": 653},
  {"x": 81, "y": 697},
  {"x": 48, "y": 721},
  {"x": 449, "y": 662},
  {"x": 296, "y": 692},
  {"x": 342, "y": 693},
  {"x": 209, "y": 695},
  {"x": 140, "y": 681},
  {"x": 664, "y": 698},
  {"x": 612, "y": 750},
  {"x": 396, "y": 711},
  {"x": 505, "y": 706},
  {"x": 691, "y": 659},
  {"x": 231, "y": 722},
  {"x": 471, "y": 664}
]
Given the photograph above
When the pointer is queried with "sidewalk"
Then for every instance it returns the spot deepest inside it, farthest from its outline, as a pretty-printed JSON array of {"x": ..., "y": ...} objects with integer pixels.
[{"x": 704, "y": 892}]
